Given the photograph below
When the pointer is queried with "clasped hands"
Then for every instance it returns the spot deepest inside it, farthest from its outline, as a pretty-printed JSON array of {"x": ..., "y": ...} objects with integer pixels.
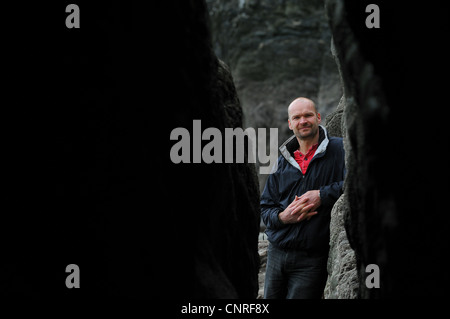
[{"x": 303, "y": 207}]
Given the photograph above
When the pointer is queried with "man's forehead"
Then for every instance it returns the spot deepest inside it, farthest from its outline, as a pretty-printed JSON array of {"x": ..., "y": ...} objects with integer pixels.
[{"x": 300, "y": 108}]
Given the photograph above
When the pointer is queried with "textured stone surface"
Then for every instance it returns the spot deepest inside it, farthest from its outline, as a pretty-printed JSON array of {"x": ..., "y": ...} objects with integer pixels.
[
  {"x": 333, "y": 122},
  {"x": 263, "y": 245},
  {"x": 342, "y": 280}
]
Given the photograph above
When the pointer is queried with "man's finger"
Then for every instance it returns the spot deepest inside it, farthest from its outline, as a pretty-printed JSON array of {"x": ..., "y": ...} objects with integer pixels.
[
  {"x": 306, "y": 215},
  {"x": 297, "y": 208},
  {"x": 303, "y": 208},
  {"x": 302, "y": 217},
  {"x": 303, "y": 199},
  {"x": 311, "y": 215},
  {"x": 294, "y": 202},
  {"x": 304, "y": 195}
]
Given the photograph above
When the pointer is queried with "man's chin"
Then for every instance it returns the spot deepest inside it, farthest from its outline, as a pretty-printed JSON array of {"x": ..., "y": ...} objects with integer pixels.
[
  {"x": 303, "y": 136},
  {"x": 306, "y": 133}
]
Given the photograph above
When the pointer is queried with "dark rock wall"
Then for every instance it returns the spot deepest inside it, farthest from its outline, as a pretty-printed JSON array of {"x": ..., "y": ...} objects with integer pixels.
[
  {"x": 91, "y": 179},
  {"x": 394, "y": 82}
]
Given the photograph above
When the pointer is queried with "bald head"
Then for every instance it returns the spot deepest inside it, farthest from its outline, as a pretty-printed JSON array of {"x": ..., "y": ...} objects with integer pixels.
[
  {"x": 304, "y": 119},
  {"x": 301, "y": 101}
]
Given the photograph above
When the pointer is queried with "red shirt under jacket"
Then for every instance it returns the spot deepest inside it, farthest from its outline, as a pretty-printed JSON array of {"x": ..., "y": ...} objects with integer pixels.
[{"x": 304, "y": 160}]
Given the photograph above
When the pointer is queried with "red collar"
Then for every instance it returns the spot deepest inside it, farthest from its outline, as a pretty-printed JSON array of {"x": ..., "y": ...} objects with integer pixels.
[
  {"x": 304, "y": 160},
  {"x": 311, "y": 151}
]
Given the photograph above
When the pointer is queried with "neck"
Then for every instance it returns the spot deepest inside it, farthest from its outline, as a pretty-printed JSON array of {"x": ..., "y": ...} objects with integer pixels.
[{"x": 307, "y": 143}]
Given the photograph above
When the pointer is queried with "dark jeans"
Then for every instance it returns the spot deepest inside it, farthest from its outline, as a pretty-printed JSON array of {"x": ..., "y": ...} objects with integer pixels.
[{"x": 295, "y": 274}]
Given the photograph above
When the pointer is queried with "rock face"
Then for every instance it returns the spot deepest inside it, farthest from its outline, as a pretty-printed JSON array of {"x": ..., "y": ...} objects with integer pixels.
[
  {"x": 342, "y": 280},
  {"x": 97, "y": 185},
  {"x": 277, "y": 51},
  {"x": 263, "y": 245},
  {"x": 395, "y": 218}
]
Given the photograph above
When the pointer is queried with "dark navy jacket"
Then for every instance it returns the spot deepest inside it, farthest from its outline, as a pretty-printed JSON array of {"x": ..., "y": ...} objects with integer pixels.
[{"x": 325, "y": 172}]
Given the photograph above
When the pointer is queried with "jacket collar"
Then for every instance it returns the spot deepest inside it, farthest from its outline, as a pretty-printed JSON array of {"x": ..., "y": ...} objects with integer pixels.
[{"x": 288, "y": 148}]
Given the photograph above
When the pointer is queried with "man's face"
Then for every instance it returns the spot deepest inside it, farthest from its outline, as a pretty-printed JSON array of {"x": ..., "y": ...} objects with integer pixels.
[{"x": 303, "y": 119}]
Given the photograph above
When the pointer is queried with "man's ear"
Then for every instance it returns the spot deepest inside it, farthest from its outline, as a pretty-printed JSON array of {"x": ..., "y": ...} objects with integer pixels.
[
  {"x": 319, "y": 118},
  {"x": 290, "y": 127}
]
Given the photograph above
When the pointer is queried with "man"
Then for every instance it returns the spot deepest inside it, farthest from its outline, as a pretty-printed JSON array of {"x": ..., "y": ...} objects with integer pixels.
[{"x": 296, "y": 205}]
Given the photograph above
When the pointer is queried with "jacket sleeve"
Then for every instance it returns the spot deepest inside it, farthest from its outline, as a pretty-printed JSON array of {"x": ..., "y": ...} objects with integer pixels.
[
  {"x": 329, "y": 194},
  {"x": 270, "y": 205}
]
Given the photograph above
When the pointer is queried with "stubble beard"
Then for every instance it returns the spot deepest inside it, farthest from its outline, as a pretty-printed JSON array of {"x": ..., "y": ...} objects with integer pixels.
[{"x": 307, "y": 136}]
